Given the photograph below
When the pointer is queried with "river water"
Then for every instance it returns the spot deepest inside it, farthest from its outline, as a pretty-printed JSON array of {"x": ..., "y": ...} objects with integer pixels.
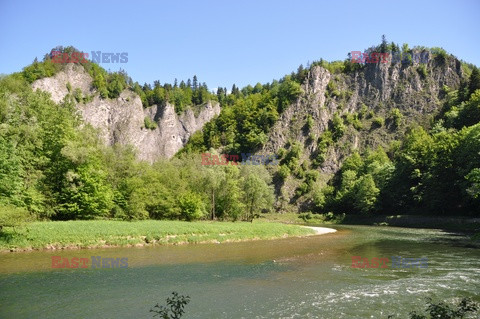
[{"x": 307, "y": 277}]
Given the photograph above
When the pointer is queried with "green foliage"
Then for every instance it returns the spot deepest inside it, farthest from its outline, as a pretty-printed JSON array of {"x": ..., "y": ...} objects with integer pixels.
[
  {"x": 192, "y": 207},
  {"x": 445, "y": 311},
  {"x": 291, "y": 160},
  {"x": 474, "y": 178},
  {"x": 396, "y": 117},
  {"x": 288, "y": 91},
  {"x": 174, "y": 309},
  {"x": 337, "y": 127},
  {"x": 77, "y": 94},
  {"x": 365, "y": 194},
  {"x": 11, "y": 216},
  {"x": 84, "y": 191},
  {"x": 465, "y": 114},
  {"x": 440, "y": 54},
  {"x": 38, "y": 70},
  {"x": 378, "y": 122},
  {"x": 332, "y": 89},
  {"x": 334, "y": 67},
  {"x": 357, "y": 186},
  {"x": 284, "y": 171},
  {"x": 422, "y": 71},
  {"x": 354, "y": 120},
  {"x": 309, "y": 122},
  {"x": 149, "y": 123},
  {"x": 474, "y": 81},
  {"x": 257, "y": 191}
]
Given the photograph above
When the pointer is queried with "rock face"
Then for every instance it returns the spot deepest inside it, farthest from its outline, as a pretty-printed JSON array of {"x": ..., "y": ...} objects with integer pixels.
[
  {"x": 369, "y": 94},
  {"x": 121, "y": 120},
  {"x": 377, "y": 88}
]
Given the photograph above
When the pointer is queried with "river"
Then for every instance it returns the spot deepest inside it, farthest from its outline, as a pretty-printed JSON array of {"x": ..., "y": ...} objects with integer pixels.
[{"x": 307, "y": 277}]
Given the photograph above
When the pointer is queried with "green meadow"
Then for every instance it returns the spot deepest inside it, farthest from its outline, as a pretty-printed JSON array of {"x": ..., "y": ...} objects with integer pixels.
[{"x": 101, "y": 233}]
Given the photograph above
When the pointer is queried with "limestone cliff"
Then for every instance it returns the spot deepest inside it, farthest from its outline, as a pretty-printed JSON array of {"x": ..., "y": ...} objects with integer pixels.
[
  {"x": 121, "y": 120},
  {"x": 370, "y": 94}
]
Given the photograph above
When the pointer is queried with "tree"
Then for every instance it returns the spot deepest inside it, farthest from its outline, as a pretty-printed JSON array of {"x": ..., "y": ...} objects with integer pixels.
[
  {"x": 258, "y": 194},
  {"x": 337, "y": 127},
  {"x": 229, "y": 201},
  {"x": 365, "y": 194},
  {"x": 213, "y": 178},
  {"x": 474, "y": 178},
  {"x": 195, "y": 83},
  {"x": 384, "y": 44},
  {"x": 474, "y": 81},
  {"x": 84, "y": 191},
  {"x": 192, "y": 206}
]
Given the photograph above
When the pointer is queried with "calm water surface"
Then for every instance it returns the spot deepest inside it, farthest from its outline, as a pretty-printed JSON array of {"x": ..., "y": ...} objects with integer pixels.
[{"x": 288, "y": 278}]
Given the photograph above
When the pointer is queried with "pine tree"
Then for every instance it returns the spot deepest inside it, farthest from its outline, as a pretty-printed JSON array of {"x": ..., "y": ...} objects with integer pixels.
[
  {"x": 195, "y": 82},
  {"x": 384, "y": 45}
]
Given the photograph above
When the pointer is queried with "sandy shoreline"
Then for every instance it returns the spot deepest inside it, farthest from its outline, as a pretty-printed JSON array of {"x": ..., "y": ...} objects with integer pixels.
[{"x": 321, "y": 230}]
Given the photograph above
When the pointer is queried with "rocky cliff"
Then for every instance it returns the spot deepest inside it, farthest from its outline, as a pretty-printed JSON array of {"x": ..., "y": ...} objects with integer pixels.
[
  {"x": 122, "y": 120},
  {"x": 382, "y": 100}
]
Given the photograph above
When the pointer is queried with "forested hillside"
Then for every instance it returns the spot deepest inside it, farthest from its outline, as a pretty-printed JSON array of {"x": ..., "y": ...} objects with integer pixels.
[{"x": 352, "y": 138}]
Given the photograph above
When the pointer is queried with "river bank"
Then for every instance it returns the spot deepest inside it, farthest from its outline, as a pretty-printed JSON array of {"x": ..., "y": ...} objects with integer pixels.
[{"x": 104, "y": 233}]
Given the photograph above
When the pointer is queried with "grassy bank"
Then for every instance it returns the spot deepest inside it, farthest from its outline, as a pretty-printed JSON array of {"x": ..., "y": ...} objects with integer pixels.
[
  {"x": 301, "y": 219},
  {"x": 458, "y": 223},
  {"x": 461, "y": 224},
  {"x": 101, "y": 233}
]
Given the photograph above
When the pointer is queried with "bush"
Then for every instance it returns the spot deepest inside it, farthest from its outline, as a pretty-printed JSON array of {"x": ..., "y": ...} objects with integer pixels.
[
  {"x": 11, "y": 216},
  {"x": 77, "y": 94},
  {"x": 284, "y": 171},
  {"x": 396, "y": 116},
  {"x": 149, "y": 123},
  {"x": 337, "y": 127},
  {"x": 378, "y": 122},
  {"x": 444, "y": 311},
  {"x": 192, "y": 207},
  {"x": 440, "y": 54},
  {"x": 422, "y": 70},
  {"x": 309, "y": 122},
  {"x": 174, "y": 308}
]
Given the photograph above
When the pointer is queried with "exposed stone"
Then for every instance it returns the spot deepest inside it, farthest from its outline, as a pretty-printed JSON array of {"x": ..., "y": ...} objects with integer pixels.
[{"x": 121, "y": 120}]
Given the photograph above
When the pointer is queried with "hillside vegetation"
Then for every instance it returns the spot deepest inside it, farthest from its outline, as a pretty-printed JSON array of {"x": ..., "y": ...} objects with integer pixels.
[{"x": 352, "y": 138}]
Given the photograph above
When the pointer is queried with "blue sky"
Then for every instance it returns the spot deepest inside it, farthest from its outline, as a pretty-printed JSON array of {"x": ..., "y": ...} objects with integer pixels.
[{"x": 226, "y": 42}]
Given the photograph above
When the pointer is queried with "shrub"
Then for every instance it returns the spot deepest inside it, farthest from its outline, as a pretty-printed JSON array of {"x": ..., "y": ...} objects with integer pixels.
[
  {"x": 422, "y": 70},
  {"x": 77, "y": 94},
  {"x": 337, "y": 127},
  {"x": 445, "y": 311},
  {"x": 378, "y": 122},
  {"x": 439, "y": 54},
  {"x": 396, "y": 116},
  {"x": 309, "y": 122},
  {"x": 149, "y": 123},
  {"x": 11, "y": 216},
  {"x": 284, "y": 171},
  {"x": 192, "y": 207},
  {"x": 174, "y": 308}
]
